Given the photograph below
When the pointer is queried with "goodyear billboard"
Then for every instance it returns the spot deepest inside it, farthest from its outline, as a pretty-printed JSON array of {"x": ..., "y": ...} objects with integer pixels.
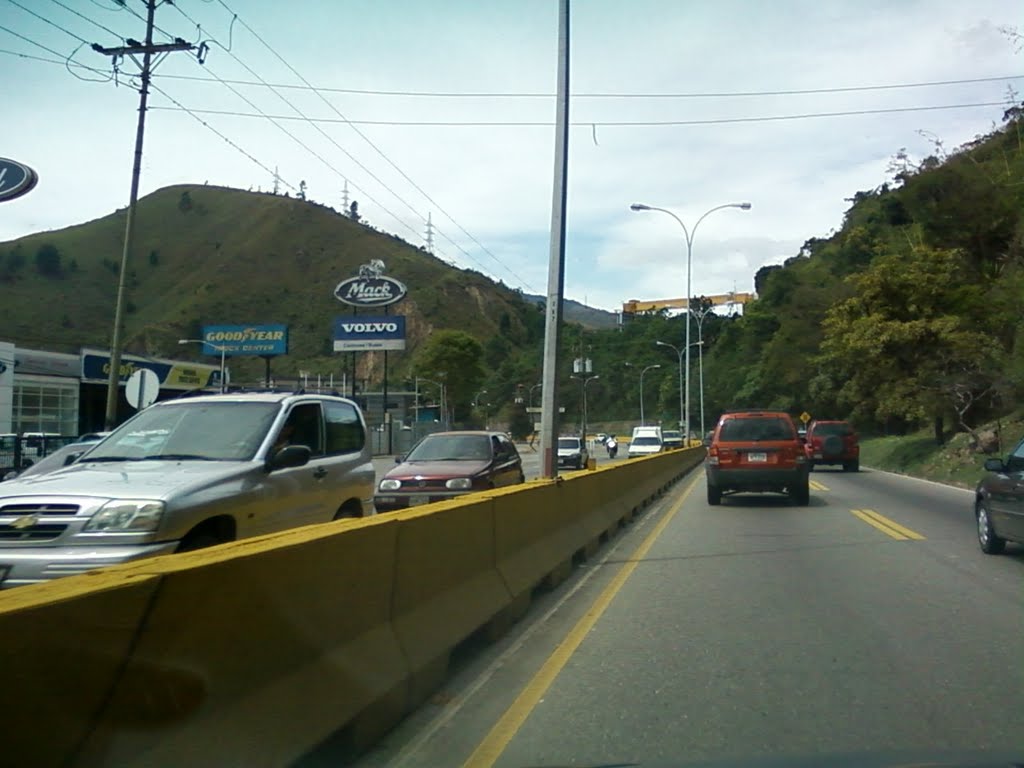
[
  {"x": 245, "y": 339},
  {"x": 363, "y": 333},
  {"x": 172, "y": 374}
]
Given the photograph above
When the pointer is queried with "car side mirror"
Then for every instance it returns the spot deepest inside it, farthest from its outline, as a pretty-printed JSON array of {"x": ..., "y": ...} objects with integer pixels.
[
  {"x": 399, "y": 459},
  {"x": 290, "y": 456},
  {"x": 994, "y": 465}
]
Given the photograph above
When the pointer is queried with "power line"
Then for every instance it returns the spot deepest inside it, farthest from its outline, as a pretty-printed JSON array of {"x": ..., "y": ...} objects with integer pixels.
[
  {"x": 302, "y": 116},
  {"x": 51, "y": 23},
  {"x": 611, "y": 123},
  {"x": 387, "y": 159},
  {"x": 608, "y": 95},
  {"x": 66, "y": 60},
  {"x": 91, "y": 21}
]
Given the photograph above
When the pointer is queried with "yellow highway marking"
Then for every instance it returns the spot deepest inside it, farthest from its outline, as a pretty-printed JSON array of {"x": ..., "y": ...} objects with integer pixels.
[
  {"x": 491, "y": 748},
  {"x": 887, "y": 526},
  {"x": 816, "y": 486}
]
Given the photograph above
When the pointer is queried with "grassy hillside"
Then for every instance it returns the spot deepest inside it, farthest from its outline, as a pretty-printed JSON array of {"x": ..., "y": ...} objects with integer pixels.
[{"x": 214, "y": 255}]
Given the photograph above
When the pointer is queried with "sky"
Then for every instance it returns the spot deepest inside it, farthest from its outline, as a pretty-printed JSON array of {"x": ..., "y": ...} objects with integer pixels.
[{"x": 668, "y": 104}]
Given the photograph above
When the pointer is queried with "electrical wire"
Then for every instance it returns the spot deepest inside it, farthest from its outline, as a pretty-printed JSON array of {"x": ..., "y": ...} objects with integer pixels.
[
  {"x": 64, "y": 60},
  {"x": 348, "y": 154},
  {"x": 611, "y": 123},
  {"x": 388, "y": 160},
  {"x": 91, "y": 21},
  {"x": 51, "y": 23},
  {"x": 600, "y": 95}
]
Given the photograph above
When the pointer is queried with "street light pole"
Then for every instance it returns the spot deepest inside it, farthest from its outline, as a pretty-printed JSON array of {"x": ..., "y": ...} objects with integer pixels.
[
  {"x": 220, "y": 348},
  {"x": 643, "y": 422},
  {"x": 689, "y": 272},
  {"x": 700, "y": 360},
  {"x": 586, "y": 381},
  {"x": 679, "y": 354}
]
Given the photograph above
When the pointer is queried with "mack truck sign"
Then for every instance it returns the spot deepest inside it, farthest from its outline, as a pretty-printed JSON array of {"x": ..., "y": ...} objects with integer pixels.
[
  {"x": 362, "y": 333},
  {"x": 370, "y": 288}
]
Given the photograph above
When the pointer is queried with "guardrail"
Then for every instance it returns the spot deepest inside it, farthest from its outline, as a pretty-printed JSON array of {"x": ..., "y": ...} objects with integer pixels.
[{"x": 255, "y": 652}]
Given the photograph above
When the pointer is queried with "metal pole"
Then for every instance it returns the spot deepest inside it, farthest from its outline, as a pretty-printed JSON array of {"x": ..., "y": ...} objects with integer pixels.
[
  {"x": 681, "y": 407},
  {"x": 129, "y": 228},
  {"x": 556, "y": 256},
  {"x": 223, "y": 383},
  {"x": 689, "y": 265},
  {"x": 700, "y": 364},
  {"x": 642, "y": 422}
]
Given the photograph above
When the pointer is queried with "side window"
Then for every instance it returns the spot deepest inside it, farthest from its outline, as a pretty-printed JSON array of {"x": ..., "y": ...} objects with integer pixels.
[
  {"x": 504, "y": 448},
  {"x": 344, "y": 429},
  {"x": 1015, "y": 462},
  {"x": 303, "y": 427}
]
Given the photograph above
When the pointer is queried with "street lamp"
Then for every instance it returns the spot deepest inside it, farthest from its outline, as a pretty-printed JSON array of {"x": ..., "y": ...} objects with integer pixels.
[
  {"x": 440, "y": 386},
  {"x": 645, "y": 370},
  {"x": 700, "y": 315},
  {"x": 683, "y": 424},
  {"x": 586, "y": 381},
  {"x": 220, "y": 348},
  {"x": 689, "y": 270}
]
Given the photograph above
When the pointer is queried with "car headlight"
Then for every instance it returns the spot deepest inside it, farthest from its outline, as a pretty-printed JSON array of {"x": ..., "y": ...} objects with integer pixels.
[
  {"x": 459, "y": 484},
  {"x": 127, "y": 516},
  {"x": 390, "y": 485}
]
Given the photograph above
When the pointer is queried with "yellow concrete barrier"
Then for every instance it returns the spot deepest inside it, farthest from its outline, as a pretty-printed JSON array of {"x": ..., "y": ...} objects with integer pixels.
[
  {"x": 447, "y": 584},
  {"x": 284, "y": 638},
  {"x": 62, "y": 648}
]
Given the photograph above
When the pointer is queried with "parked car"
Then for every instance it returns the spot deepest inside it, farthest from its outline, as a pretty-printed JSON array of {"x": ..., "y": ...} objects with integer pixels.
[
  {"x": 572, "y": 452},
  {"x": 63, "y": 456},
  {"x": 645, "y": 442},
  {"x": 189, "y": 473},
  {"x": 757, "y": 451},
  {"x": 999, "y": 502},
  {"x": 449, "y": 464},
  {"x": 671, "y": 438},
  {"x": 832, "y": 442}
]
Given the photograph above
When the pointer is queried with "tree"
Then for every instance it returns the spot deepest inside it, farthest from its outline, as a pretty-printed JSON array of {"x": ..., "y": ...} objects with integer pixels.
[
  {"x": 519, "y": 423},
  {"x": 185, "y": 202},
  {"x": 48, "y": 260},
  {"x": 302, "y": 190},
  {"x": 456, "y": 359},
  {"x": 353, "y": 211}
]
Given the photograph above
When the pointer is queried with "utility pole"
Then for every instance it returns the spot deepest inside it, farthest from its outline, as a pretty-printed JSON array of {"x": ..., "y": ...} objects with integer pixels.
[
  {"x": 277, "y": 181},
  {"x": 147, "y": 49},
  {"x": 430, "y": 235},
  {"x": 344, "y": 198}
]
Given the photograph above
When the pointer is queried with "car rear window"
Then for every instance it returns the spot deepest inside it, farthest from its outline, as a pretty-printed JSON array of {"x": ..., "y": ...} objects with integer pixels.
[
  {"x": 572, "y": 443},
  {"x": 646, "y": 441},
  {"x": 835, "y": 428},
  {"x": 756, "y": 428}
]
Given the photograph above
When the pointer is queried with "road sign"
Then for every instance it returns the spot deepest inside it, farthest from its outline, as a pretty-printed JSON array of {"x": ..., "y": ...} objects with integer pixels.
[
  {"x": 805, "y": 417},
  {"x": 141, "y": 388},
  {"x": 15, "y": 179}
]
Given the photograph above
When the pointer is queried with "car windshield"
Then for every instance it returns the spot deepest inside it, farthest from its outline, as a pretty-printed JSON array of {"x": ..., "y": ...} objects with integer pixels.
[
  {"x": 646, "y": 441},
  {"x": 756, "y": 428},
  {"x": 672, "y": 435},
  {"x": 221, "y": 431},
  {"x": 569, "y": 443},
  {"x": 452, "y": 448},
  {"x": 833, "y": 428}
]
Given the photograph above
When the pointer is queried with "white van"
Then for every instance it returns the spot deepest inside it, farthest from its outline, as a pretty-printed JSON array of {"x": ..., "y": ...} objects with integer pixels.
[{"x": 645, "y": 441}]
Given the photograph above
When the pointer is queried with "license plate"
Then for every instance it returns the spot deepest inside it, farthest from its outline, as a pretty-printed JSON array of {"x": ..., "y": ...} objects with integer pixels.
[
  {"x": 415, "y": 501},
  {"x": 757, "y": 457}
]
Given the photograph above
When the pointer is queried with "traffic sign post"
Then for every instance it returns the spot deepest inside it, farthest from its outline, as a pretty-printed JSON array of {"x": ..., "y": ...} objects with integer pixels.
[
  {"x": 805, "y": 417},
  {"x": 142, "y": 388}
]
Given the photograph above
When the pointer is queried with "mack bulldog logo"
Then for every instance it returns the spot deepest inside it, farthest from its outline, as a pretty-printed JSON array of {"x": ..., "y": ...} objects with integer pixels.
[{"x": 370, "y": 288}]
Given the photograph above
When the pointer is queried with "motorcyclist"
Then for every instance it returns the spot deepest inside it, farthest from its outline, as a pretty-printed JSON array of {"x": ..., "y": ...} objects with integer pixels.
[{"x": 612, "y": 446}]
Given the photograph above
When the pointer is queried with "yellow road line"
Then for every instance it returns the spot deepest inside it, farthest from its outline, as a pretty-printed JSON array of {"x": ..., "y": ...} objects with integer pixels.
[
  {"x": 490, "y": 749},
  {"x": 887, "y": 526},
  {"x": 815, "y": 485},
  {"x": 894, "y": 525}
]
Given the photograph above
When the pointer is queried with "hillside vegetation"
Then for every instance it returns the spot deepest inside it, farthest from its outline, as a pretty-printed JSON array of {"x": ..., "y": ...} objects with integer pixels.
[{"x": 207, "y": 254}]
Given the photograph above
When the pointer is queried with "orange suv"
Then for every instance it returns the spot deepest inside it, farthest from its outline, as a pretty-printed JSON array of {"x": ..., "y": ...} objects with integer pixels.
[
  {"x": 833, "y": 442},
  {"x": 757, "y": 451}
]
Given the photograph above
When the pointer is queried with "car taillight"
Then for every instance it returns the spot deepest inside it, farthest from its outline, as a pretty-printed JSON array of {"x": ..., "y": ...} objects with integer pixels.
[{"x": 713, "y": 455}]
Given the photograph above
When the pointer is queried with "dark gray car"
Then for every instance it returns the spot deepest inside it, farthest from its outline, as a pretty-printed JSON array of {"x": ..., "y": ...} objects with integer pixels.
[
  {"x": 185, "y": 474},
  {"x": 999, "y": 502}
]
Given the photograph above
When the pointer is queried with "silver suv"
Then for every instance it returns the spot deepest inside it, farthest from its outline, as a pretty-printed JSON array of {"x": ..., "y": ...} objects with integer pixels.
[{"x": 185, "y": 474}]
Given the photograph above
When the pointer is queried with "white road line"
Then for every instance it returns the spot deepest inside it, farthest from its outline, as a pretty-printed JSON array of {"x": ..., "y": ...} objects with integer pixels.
[{"x": 946, "y": 486}]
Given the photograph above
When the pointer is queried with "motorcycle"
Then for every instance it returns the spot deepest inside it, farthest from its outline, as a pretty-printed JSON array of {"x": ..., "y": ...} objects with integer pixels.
[{"x": 612, "y": 446}]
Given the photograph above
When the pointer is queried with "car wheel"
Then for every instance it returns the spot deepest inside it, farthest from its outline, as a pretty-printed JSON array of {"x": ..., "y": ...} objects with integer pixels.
[
  {"x": 851, "y": 466},
  {"x": 714, "y": 495},
  {"x": 198, "y": 540},
  {"x": 990, "y": 543},
  {"x": 801, "y": 495}
]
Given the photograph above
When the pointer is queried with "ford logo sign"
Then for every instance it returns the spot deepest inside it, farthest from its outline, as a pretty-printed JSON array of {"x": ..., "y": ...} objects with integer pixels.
[
  {"x": 364, "y": 291},
  {"x": 15, "y": 179}
]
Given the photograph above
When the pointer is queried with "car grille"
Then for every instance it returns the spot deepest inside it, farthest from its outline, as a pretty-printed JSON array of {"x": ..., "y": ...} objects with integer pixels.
[
  {"x": 39, "y": 509},
  {"x": 39, "y": 532},
  {"x": 412, "y": 485}
]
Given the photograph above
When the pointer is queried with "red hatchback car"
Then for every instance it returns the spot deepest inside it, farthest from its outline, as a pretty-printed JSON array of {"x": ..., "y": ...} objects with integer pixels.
[
  {"x": 449, "y": 464},
  {"x": 833, "y": 442}
]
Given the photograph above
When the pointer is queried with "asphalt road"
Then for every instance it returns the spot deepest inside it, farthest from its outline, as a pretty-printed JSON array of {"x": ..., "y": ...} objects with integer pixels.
[{"x": 751, "y": 629}]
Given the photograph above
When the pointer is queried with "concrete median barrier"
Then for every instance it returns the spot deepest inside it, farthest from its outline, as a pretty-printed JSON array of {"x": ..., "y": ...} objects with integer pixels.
[
  {"x": 447, "y": 584},
  {"x": 284, "y": 639},
  {"x": 63, "y": 646}
]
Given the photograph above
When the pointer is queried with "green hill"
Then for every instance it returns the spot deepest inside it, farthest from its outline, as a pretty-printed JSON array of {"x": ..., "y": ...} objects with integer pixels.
[{"x": 207, "y": 254}]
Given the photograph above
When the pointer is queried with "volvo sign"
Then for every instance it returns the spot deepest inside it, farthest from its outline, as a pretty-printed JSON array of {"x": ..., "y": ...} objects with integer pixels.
[
  {"x": 359, "y": 333},
  {"x": 15, "y": 179},
  {"x": 370, "y": 288}
]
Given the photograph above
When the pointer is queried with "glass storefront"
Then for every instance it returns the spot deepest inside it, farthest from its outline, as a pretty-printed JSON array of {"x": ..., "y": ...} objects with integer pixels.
[{"x": 45, "y": 404}]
